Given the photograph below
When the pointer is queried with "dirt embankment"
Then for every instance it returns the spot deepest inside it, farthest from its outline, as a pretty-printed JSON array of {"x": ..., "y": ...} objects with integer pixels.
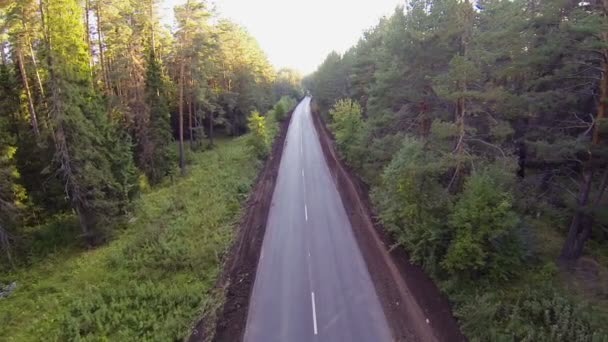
[
  {"x": 413, "y": 305},
  {"x": 236, "y": 281}
]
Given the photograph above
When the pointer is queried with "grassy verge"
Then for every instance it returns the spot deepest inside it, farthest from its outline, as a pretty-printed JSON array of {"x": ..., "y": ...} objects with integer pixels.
[{"x": 152, "y": 280}]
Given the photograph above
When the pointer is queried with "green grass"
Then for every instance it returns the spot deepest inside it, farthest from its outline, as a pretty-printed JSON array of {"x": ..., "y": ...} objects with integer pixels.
[{"x": 152, "y": 281}]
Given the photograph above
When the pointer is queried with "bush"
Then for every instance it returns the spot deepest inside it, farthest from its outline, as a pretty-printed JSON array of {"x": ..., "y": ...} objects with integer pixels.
[
  {"x": 279, "y": 112},
  {"x": 153, "y": 280},
  {"x": 533, "y": 313},
  {"x": 283, "y": 106},
  {"x": 348, "y": 128},
  {"x": 258, "y": 139},
  {"x": 413, "y": 204},
  {"x": 484, "y": 224}
]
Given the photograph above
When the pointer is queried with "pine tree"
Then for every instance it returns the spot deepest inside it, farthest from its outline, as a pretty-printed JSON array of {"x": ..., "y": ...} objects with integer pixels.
[
  {"x": 8, "y": 185},
  {"x": 84, "y": 157},
  {"x": 159, "y": 158}
]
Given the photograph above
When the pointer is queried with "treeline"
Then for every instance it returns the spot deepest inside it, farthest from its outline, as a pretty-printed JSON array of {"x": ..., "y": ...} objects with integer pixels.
[
  {"x": 93, "y": 94},
  {"x": 481, "y": 127}
]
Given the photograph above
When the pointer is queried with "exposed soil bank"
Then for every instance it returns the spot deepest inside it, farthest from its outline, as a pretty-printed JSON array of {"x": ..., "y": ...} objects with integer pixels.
[
  {"x": 413, "y": 305},
  {"x": 236, "y": 281}
]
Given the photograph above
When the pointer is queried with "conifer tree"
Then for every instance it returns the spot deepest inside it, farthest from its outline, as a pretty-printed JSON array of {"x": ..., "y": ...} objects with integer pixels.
[
  {"x": 160, "y": 162},
  {"x": 84, "y": 156}
]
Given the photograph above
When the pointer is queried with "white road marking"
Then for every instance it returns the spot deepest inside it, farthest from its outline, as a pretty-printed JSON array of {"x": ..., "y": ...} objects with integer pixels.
[
  {"x": 314, "y": 312},
  {"x": 305, "y": 212},
  {"x": 302, "y": 173}
]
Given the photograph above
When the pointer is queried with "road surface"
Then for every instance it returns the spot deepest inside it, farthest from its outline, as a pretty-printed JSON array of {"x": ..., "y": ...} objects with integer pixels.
[{"x": 311, "y": 283}]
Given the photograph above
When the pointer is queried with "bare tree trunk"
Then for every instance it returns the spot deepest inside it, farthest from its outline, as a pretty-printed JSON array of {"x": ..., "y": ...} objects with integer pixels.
[
  {"x": 601, "y": 110},
  {"x": 87, "y": 20},
  {"x": 2, "y": 52},
  {"x": 579, "y": 227},
  {"x": 28, "y": 93},
  {"x": 182, "y": 162},
  {"x": 461, "y": 103},
  {"x": 582, "y": 222},
  {"x": 45, "y": 121},
  {"x": 35, "y": 64},
  {"x": 5, "y": 243},
  {"x": 211, "y": 129},
  {"x": 152, "y": 36},
  {"x": 191, "y": 127},
  {"x": 102, "y": 62}
]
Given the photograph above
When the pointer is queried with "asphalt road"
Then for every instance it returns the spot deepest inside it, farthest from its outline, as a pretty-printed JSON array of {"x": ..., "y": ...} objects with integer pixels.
[{"x": 311, "y": 283}]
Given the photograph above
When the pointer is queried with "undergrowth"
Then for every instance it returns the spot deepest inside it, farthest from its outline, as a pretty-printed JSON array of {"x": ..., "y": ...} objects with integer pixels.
[{"x": 151, "y": 281}]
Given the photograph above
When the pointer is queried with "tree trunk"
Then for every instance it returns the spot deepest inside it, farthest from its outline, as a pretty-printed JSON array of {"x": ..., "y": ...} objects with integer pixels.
[
  {"x": 152, "y": 33},
  {"x": 45, "y": 121},
  {"x": 87, "y": 20},
  {"x": 5, "y": 244},
  {"x": 102, "y": 62},
  {"x": 182, "y": 162},
  {"x": 580, "y": 228},
  {"x": 28, "y": 93},
  {"x": 190, "y": 126},
  {"x": 461, "y": 104},
  {"x": 210, "y": 129},
  {"x": 35, "y": 64},
  {"x": 582, "y": 222},
  {"x": 601, "y": 110},
  {"x": 3, "y": 52}
]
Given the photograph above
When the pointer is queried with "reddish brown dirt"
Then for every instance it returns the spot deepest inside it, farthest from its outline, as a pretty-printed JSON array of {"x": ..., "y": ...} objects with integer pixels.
[
  {"x": 237, "y": 278},
  {"x": 409, "y": 297}
]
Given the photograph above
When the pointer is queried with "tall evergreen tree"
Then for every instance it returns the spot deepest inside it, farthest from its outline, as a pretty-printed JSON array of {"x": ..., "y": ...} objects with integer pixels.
[
  {"x": 157, "y": 161},
  {"x": 84, "y": 157}
]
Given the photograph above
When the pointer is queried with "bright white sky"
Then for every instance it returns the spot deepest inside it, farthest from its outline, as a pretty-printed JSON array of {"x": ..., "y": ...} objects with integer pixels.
[{"x": 300, "y": 33}]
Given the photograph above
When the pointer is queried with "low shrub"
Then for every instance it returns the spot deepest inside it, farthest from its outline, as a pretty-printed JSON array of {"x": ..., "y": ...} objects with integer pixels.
[
  {"x": 484, "y": 226},
  {"x": 348, "y": 128},
  {"x": 258, "y": 139},
  {"x": 413, "y": 204},
  {"x": 531, "y": 313},
  {"x": 150, "y": 282}
]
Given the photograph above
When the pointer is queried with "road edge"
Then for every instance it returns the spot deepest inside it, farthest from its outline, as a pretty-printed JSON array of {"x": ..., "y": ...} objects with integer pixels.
[
  {"x": 408, "y": 295},
  {"x": 235, "y": 284}
]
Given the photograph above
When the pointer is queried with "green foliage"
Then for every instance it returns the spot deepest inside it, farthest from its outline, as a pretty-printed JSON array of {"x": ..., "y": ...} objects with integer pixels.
[
  {"x": 329, "y": 84},
  {"x": 95, "y": 168},
  {"x": 484, "y": 240},
  {"x": 279, "y": 112},
  {"x": 11, "y": 193},
  {"x": 281, "y": 108},
  {"x": 348, "y": 128},
  {"x": 483, "y": 91},
  {"x": 156, "y": 157},
  {"x": 528, "y": 314},
  {"x": 245, "y": 74},
  {"x": 153, "y": 280},
  {"x": 413, "y": 205},
  {"x": 258, "y": 138},
  {"x": 288, "y": 83}
]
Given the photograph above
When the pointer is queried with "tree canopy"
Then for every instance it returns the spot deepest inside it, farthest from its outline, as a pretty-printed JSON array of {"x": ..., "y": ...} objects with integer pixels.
[{"x": 95, "y": 92}]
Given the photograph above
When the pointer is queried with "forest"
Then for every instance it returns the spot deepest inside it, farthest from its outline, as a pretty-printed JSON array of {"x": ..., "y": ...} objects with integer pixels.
[
  {"x": 113, "y": 127},
  {"x": 481, "y": 130}
]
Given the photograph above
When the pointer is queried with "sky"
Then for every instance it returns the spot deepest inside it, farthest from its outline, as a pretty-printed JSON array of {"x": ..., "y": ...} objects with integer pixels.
[{"x": 299, "y": 34}]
